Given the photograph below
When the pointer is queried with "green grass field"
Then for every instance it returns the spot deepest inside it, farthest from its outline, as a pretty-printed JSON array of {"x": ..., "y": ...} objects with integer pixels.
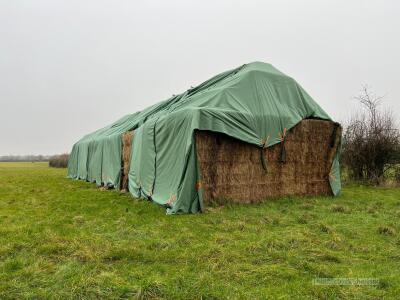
[{"x": 64, "y": 239}]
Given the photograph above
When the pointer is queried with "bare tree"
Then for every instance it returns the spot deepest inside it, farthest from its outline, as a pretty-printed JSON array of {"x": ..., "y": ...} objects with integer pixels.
[{"x": 371, "y": 140}]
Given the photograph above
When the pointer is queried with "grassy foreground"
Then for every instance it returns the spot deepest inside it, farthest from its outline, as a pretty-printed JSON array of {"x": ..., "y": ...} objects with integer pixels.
[{"x": 67, "y": 239}]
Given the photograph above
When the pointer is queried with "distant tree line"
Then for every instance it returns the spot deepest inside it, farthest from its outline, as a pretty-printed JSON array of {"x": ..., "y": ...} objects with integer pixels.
[
  {"x": 26, "y": 158},
  {"x": 56, "y": 161}
]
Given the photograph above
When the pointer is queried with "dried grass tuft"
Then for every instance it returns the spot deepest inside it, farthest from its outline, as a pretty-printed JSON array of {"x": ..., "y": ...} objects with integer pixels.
[
  {"x": 339, "y": 208},
  {"x": 386, "y": 230}
]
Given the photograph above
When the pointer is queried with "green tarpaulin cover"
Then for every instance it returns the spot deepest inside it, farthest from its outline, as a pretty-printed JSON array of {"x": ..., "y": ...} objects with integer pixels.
[{"x": 249, "y": 103}]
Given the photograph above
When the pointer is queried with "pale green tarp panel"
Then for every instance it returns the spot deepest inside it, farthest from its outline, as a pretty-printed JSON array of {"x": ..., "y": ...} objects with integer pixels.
[
  {"x": 254, "y": 103},
  {"x": 141, "y": 174},
  {"x": 82, "y": 160},
  {"x": 112, "y": 153},
  {"x": 97, "y": 156},
  {"x": 72, "y": 162},
  {"x": 334, "y": 175},
  {"x": 134, "y": 182},
  {"x": 95, "y": 152}
]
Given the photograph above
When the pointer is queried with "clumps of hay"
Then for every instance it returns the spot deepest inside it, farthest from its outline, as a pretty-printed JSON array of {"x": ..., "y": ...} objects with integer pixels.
[
  {"x": 79, "y": 220},
  {"x": 127, "y": 139},
  {"x": 325, "y": 228},
  {"x": 231, "y": 169},
  {"x": 337, "y": 208},
  {"x": 386, "y": 230}
]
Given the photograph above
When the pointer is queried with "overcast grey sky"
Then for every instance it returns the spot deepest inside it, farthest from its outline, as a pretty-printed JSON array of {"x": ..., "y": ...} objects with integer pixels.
[{"x": 69, "y": 67}]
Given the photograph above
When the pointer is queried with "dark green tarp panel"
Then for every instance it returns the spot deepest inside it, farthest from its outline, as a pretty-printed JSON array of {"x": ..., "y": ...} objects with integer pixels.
[{"x": 253, "y": 103}]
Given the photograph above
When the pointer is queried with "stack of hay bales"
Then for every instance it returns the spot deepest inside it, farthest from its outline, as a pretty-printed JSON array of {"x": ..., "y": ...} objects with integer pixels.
[
  {"x": 232, "y": 170},
  {"x": 246, "y": 134}
]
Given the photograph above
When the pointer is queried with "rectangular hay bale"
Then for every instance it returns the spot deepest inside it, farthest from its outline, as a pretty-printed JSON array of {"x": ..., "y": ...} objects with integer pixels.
[
  {"x": 127, "y": 139},
  {"x": 231, "y": 170}
]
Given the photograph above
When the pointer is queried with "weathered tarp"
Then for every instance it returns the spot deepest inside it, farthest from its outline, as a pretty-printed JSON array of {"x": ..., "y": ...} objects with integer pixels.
[{"x": 254, "y": 103}]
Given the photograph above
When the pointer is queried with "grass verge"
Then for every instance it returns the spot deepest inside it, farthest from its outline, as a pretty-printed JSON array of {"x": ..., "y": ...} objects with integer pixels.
[{"x": 61, "y": 238}]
